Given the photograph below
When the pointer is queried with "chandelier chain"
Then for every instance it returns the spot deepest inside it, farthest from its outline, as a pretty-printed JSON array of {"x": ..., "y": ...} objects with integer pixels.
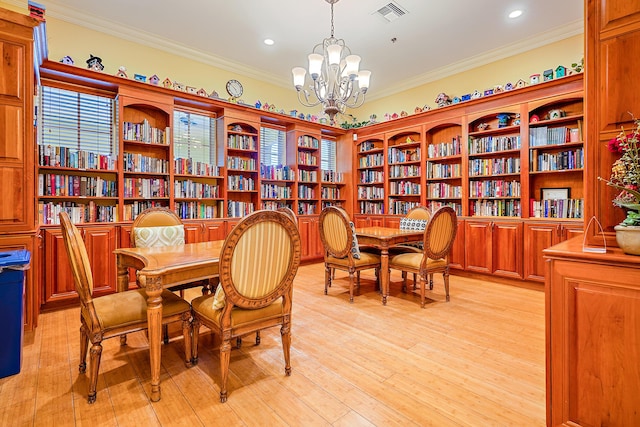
[{"x": 331, "y": 20}]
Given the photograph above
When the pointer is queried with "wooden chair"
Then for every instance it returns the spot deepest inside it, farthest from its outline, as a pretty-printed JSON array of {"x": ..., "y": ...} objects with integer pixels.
[
  {"x": 438, "y": 240},
  {"x": 341, "y": 250},
  {"x": 418, "y": 216},
  {"x": 258, "y": 262},
  {"x": 161, "y": 226},
  {"x": 115, "y": 314},
  {"x": 289, "y": 211}
]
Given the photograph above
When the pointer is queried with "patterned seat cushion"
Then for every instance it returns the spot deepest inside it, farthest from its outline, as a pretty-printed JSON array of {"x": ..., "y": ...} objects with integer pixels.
[
  {"x": 413, "y": 224},
  {"x": 355, "y": 248},
  {"x": 148, "y": 237}
]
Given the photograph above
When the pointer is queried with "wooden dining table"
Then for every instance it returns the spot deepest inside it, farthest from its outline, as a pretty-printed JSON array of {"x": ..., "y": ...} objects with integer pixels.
[
  {"x": 384, "y": 238},
  {"x": 159, "y": 268}
]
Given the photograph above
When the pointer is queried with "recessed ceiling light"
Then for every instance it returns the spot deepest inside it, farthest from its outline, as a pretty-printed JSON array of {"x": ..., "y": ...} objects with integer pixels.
[
  {"x": 268, "y": 42},
  {"x": 515, "y": 14}
]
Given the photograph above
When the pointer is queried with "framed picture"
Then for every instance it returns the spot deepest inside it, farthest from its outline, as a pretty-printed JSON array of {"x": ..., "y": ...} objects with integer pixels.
[{"x": 555, "y": 193}]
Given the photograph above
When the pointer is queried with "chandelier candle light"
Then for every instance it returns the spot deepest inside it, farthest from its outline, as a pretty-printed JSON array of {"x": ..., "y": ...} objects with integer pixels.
[{"x": 336, "y": 81}]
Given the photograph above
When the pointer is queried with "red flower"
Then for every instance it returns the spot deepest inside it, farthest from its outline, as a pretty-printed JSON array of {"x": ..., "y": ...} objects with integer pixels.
[{"x": 614, "y": 146}]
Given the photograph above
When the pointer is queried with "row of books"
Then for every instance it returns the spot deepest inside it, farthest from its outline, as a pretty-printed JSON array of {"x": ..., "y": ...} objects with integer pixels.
[
  {"x": 306, "y": 208},
  {"x": 72, "y": 158},
  {"x": 238, "y": 209},
  {"x": 330, "y": 193},
  {"x": 398, "y": 155},
  {"x": 443, "y": 170},
  {"x": 198, "y": 210},
  {"x": 240, "y": 183},
  {"x": 510, "y": 208},
  {"x": 404, "y": 188},
  {"x": 492, "y": 144},
  {"x": 564, "y": 160},
  {"x": 488, "y": 167},
  {"x": 76, "y": 186},
  {"x": 241, "y": 163},
  {"x": 136, "y": 162},
  {"x": 371, "y": 208},
  {"x": 307, "y": 176},
  {"x": 275, "y": 205},
  {"x": 376, "y": 159},
  {"x": 368, "y": 177},
  {"x": 494, "y": 188},
  {"x": 556, "y": 208},
  {"x": 370, "y": 192},
  {"x": 400, "y": 207},
  {"x": 305, "y": 158},
  {"x": 434, "y": 205},
  {"x": 444, "y": 149},
  {"x": 146, "y": 187},
  {"x": 48, "y": 212},
  {"x": 307, "y": 141},
  {"x": 443, "y": 190},
  {"x": 131, "y": 210},
  {"x": 543, "y": 135},
  {"x": 367, "y": 146},
  {"x": 271, "y": 191},
  {"x": 280, "y": 172},
  {"x": 306, "y": 192},
  {"x": 188, "y": 189},
  {"x": 144, "y": 132},
  {"x": 406, "y": 171},
  {"x": 190, "y": 167},
  {"x": 241, "y": 142},
  {"x": 332, "y": 176}
]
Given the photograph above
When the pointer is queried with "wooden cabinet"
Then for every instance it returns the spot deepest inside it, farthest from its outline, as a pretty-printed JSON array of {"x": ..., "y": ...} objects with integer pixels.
[
  {"x": 444, "y": 167},
  {"x": 592, "y": 337},
  {"x": 312, "y": 248},
  {"x": 59, "y": 288},
  {"x": 457, "y": 257},
  {"x": 494, "y": 247},
  {"x": 371, "y": 221},
  {"x": 612, "y": 53},
  {"x": 404, "y": 170},
  {"x": 204, "y": 231},
  {"x": 542, "y": 235},
  {"x": 370, "y": 198}
]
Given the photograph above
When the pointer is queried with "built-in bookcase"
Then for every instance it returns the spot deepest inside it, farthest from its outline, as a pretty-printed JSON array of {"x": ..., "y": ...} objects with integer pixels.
[
  {"x": 404, "y": 170},
  {"x": 444, "y": 167},
  {"x": 370, "y": 160}
]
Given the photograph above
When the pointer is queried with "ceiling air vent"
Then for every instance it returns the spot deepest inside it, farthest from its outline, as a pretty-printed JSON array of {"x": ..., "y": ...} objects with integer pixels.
[{"x": 391, "y": 11}]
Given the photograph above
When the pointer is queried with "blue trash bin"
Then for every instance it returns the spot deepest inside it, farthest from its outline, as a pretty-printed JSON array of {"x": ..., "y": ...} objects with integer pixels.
[{"x": 12, "y": 267}]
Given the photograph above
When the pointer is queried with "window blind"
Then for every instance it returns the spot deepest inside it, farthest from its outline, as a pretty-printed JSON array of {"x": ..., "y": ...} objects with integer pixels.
[
  {"x": 328, "y": 155},
  {"x": 272, "y": 146},
  {"x": 194, "y": 137}
]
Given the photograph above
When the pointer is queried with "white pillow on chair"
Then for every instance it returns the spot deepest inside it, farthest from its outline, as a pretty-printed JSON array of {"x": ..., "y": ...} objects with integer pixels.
[{"x": 149, "y": 237}]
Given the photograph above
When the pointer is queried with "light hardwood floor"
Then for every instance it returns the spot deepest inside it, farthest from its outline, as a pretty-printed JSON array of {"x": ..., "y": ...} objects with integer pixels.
[{"x": 475, "y": 361}]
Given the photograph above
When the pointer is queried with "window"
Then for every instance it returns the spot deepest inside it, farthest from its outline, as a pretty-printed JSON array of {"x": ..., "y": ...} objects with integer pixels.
[
  {"x": 328, "y": 155},
  {"x": 194, "y": 137},
  {"x": 273, "y": 144},
  {"x": 77, "y": 121}
]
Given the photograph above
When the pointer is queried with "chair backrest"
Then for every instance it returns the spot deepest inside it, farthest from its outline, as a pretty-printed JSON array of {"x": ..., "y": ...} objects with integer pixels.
[
  {"x": 287, "y": 211},
  {"x": 440, "y": 233},
  {"x": 157, "y": 226},
  {"x": 419, "y": 212},
  {"x": 259, "y": 260},
  {"x": 80, "y": 267},
  {"x": 336, "y": 232}
]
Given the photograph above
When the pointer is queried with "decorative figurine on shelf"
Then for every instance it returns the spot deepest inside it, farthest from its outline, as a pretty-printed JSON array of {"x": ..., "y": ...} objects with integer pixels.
[
  {"x": 237, "y": 128},
  {"x": 561, "y": 71},
  {"x": 214, "y": 95},
  {"x": 476, "y": 94},
  {"x": 154, "y": 80},
  {"x": 556, "y": 113},
  {"x": 442, "y": 100},
  {"x": 265, "y": 106},
  {"x": 417, "y": 110},
  {"x": 483, "y": 126},
  {"x": 258, "y": 104},
  {"x": 190, "y": 89},
  {"x": 403, "y": 113},
  {"x": 387, "y": 117},
  {"x": 178, "y": 86},
  {"x": 301, "y": 116},
  {"x": 272, "y": 108},
  {"x": 394, "y": 116},
  {"x": 202, "y": 92},
  {"x": 503, "y": 119},
  {"x": 292, "y": 113},
  {"x": 488, "y": 92},
  {"x": 140, "y": 78},
  {"x": 547, "y": 75},
  {"x": 426, "y": 107},
  {"x": 516, "y": 120},
  {"x": 373, "y": 119},
  {"x": 408, "y": 140},
  {"x": 520, "y": 84},
  {"x": 534, "y": 118},
  {"x": 455, "y": 100},
  {"x": 534, "y": 79},
  {"x": 167, "y": 83},
  {"x": 95, "y": 63},
  {"x": 67, "y": 60},
  {"x": 122, "y": 72},
  {"x": 508, "y": 86},
  {"x": 576, "y": 67},
  {"x": 498, "y": 89},
  {"x": 466, "y": 97}
]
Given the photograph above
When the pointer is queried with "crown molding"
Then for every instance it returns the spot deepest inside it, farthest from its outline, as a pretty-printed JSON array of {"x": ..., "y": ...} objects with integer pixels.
[{"x": 560, "y": 33}]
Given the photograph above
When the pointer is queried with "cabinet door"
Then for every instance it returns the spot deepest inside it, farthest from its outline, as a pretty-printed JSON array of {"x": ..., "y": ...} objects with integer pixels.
[
  {"x": 193, "y": 232},
  {"x": 392, "y": 221},
  {"x": 537, "y": 237},
  {"x": 507, "y": 248},
  {"x": 310, "y": 237},
  {"x": 378, "y": 221},
  {"x": 100, "y": 243},
  {"x": 456, "y": 258},
  {"x": 477, "y": 254},
  {"x": 362, "y": 221},
  {"x": 216, "y": 230},
  {"x": 58, "y": 279},
  {"x": 570, "y": 231}
]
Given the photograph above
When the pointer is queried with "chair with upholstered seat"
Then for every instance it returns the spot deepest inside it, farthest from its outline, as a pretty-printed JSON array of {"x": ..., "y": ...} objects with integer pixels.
[
  {"x": 438, "y": 240},
  {"x": 289, "y": 211},
  {"x": 258, "y": 262},
  {"x": 341, "y": 250},
  {"x": 115, "y": 314},
  {"x": 416, "y": 219}
]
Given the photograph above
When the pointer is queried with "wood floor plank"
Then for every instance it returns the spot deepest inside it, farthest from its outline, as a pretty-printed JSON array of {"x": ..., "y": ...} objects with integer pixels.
[{"x": 477, "y": 360}]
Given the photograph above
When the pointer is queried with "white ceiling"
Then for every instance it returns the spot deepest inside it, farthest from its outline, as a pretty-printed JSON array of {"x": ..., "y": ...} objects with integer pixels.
[{"x": 435, "y": 38}]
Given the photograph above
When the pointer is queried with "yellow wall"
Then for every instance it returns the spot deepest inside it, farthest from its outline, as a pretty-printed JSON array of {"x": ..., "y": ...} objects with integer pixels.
[{"x": 78, "y": 42}]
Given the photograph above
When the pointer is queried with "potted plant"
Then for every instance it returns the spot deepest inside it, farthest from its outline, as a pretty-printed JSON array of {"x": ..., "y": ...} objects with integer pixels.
[{"x": 625, "y": 176}]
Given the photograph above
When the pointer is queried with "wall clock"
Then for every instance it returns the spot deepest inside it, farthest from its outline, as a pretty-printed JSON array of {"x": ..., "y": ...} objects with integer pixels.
[{"x": 234, "y": 88}]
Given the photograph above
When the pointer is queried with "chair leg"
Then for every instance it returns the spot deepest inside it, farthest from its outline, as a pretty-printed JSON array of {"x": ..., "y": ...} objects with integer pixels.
[
  {"x": 415, "y": 281},
  {"x": 96, "y": 352},
  {"x": 257, "y": 337},
  {"x": 225, "y": 355},
  {"x": 84, "y": 347},
  {"x": 187, "y": 332},
  {"x": 285, "y": 332},
  {"x": 239, "y": 342},
  {"x": 445, "y": 275},
  {"x": 165, "y": 334},
  {"x": 195, "y": 328},
  {"x": 358, "y": 281},
  {"x": 431, "y": 281},
  {"x": 351, "y": 286},
  {"x": 404, "y": 281},
  {"x": 423, "y": 285},
  {"x": 327, "y": 279}
]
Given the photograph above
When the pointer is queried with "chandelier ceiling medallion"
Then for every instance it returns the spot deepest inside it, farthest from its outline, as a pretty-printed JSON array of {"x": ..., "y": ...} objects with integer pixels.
[{"x": 336, "y": 81}]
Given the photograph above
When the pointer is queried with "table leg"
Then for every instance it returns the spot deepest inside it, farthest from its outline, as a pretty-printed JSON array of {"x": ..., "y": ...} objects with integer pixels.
[
  {"x": 384, "y": 274},
  {"x": 123, "y": 277},
  {"x": 154, "y": 319}
]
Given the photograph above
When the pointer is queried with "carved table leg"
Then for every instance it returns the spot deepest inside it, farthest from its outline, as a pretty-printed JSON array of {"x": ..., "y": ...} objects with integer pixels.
[
  {"x": 154, "y": 318},
  {"x": 384, "y": 274}
]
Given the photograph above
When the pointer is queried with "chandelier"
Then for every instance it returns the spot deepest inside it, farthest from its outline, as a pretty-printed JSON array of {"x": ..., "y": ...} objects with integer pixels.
[{"x": 336, "y": 82}]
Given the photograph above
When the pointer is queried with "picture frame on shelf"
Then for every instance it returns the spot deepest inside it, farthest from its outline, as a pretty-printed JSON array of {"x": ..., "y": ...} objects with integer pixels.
[{"x": 555, "y": 193}]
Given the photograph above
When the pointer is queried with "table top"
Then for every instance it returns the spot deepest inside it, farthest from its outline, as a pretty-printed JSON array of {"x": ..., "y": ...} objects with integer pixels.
[
  {"x": 386, "y": 232},
  {"x": 172, "y": 257}
]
